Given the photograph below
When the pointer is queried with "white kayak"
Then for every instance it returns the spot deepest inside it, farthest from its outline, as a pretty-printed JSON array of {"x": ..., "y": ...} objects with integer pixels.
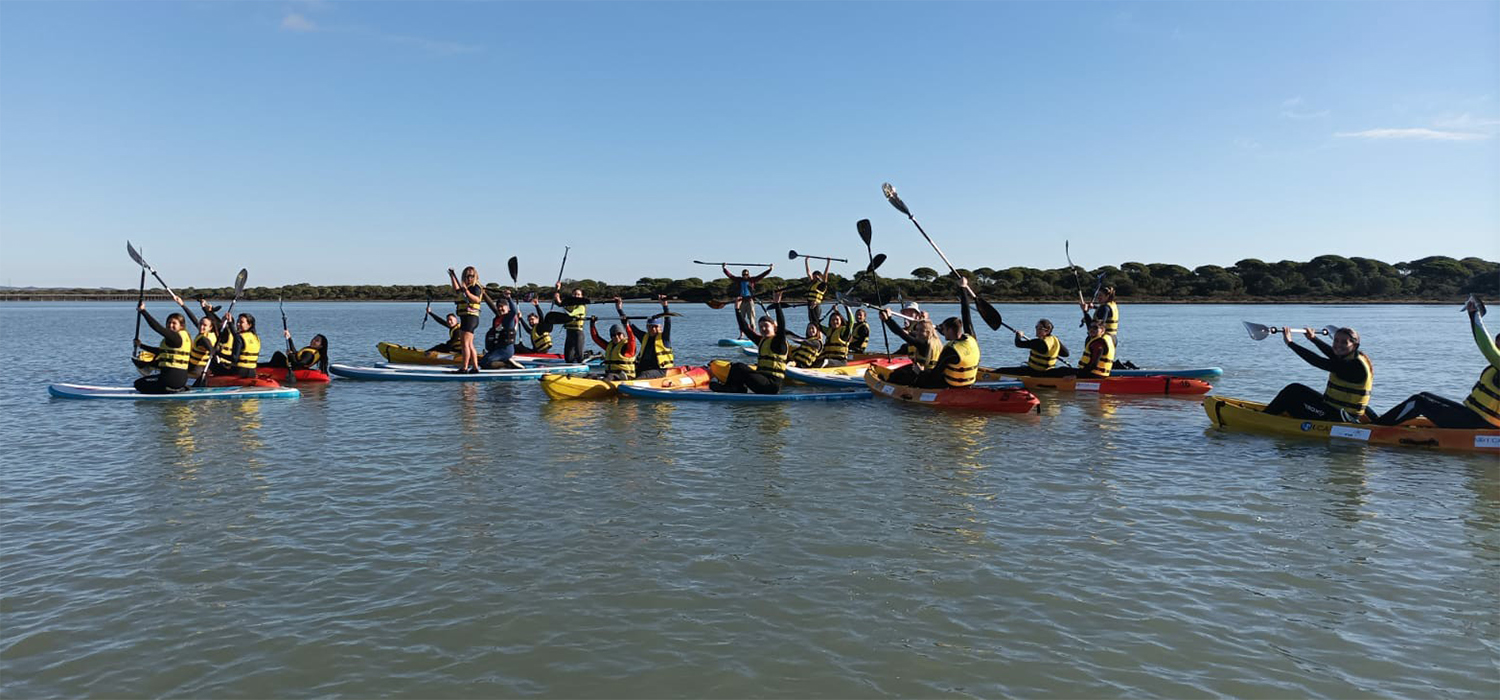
[
  {"x": 553, "y": 367},
  {"x": 84, "y": 391},
  {"x": 420, "y": 373}
]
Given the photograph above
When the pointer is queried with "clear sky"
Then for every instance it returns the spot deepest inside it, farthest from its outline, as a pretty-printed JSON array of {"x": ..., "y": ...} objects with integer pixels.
[{"x": 383, "y": 142}]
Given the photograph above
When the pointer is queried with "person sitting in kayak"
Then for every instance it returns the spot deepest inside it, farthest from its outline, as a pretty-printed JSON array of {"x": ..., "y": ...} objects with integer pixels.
[
  {"x": 538, "y": 330},
  {"x": 455, "y": 342},
  {"x": 859, "y": 338},
  {"x": 744, "y": 304},
  {"x": 314, "y": 356},
  {"x": 809, "y": 350},
  {"x": 469, "y": 294},
  {"x": 1045, "y": 349},
  {"x": 1480, "y": 409},
  {"x": 770, "y": 363},
  {"x": 920, "y": 339},
  {"x": 577, "y": 312},
  {"x": 1346, "y": 397},
  {"x": 619, "y": 351},
  {"x": 958, "y": 364},
  {"x": 500, "y": 341},
  {"x": 656, "y": 355},
  {"x": 244, "y": 348},
  {"x": 1106, "y": 311},
  {"x": 817, "y": 288},
  {"x": 836, "y": 345},
  {"x": 171, "y": 355}
]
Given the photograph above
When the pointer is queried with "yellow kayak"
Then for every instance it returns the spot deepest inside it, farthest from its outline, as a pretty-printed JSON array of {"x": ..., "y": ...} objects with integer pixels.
[
  {"x": 562, "y": 387},
  {"x": 1235, "y": 414}
]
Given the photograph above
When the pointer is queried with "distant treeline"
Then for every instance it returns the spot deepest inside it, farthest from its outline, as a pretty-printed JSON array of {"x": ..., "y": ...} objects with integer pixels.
[{"x": 1324, "y": 278}]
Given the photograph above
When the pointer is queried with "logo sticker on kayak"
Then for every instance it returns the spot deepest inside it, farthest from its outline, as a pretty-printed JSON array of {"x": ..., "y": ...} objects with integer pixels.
[
  {"x": 1086, "y": 386},
  {"x": 928, "y": 397},
  {"x": 1344, "y": 431},
  {"x": 1490, "y": 441},
  {"x": 888, "y": 390},
  {"x": 1306, "y": 427}
]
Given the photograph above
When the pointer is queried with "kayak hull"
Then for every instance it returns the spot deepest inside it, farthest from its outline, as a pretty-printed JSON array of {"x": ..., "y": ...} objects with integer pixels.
[
  {"x": 562, "y": 387},
  {"x": 1205, "y": 373},
  {"x": 1234, "y": 414},
  {"x": 643, "y": 392},
  {"x": 975, "y": 398},
  {"x": 736, "y": 343},
  {"x": 128, "y": 393},
  {"x": 278, "y": 374},
  {"x": 408, "y": 355},
  {"x": 449, "y": 374},
  {"x": 257, "y": 381},
  {"x": 1160, "y": 385}
]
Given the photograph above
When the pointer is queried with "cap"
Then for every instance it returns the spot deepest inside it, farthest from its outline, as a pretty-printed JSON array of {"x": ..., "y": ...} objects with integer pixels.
[{"x": 615, "y": 328}]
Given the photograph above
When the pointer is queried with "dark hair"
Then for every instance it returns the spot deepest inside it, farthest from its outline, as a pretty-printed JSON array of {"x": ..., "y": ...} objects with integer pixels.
[
  {"x": 323, "y": 354},
  {"x": 180, "y": 319},
  {"x": 952, "y": 322},
  {"x": 1045, "y": 325},
  {"x": 249, "y": 318}
]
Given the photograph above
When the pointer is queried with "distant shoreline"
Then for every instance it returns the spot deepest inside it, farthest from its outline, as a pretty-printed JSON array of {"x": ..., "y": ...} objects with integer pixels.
[{"x": 158, "y": 297}]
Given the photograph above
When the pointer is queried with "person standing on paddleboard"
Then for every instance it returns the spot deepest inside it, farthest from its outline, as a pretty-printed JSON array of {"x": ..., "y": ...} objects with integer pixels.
[
  {"x": 745, "y": 287},
  {"x": 1480, "y": 409},
  {"x": 578, "y": 312},
  {"x": 656, "y": 355},
  {"x": 770, "y": 363},
  {"x": 171, "y": 356},
  {"x": 817, "y": 288},
  {"x": 469, "y": 295},
  {"x": 1346, "y": 397}
]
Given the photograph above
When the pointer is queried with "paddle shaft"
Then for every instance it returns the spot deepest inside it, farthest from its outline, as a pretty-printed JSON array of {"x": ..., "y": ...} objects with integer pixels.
[
  {"x": 213, "y": 353},
  {"x": 291, "y": 373},
  {"x": 560, "y": 269},
  {"x": 884, "y": 334},
  {"x": 741, "y": 264},
  {"x": 140, "y": 298}
]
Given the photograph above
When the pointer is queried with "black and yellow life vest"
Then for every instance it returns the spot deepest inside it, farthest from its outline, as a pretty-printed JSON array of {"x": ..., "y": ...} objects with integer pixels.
[
  {"x": 540, "y": 342},
  {"x": 768, "y": 361},
  {"x": 456, "y": 339},
  {"x": 934, "y": 351},
  {"x": 464, "y": 306},
  {"x": 1484, "y": 398},
  {"x": 1106, "y": 360},
  {"x": 807, "y": 353},
  {"x": 1112, "y": 326},
  {"x": 965, "y": 369},
  {"x": 576, "y": 316},
  {"x": 225, "y": 357},
  {"x": 859, "y": 341},
  {"x": 250, "y": 354},
  {"x": 616, "y": 360},
  {"x": 201, "y": 347},
  {"x": 1350, "y": 397},
  {"x": 309, "y": 357},
  {"x": 1043, "y": 361},
  {"x": 837, "y": 345},
  {"x": 175, "y": 358},
  {"x": 816, "y": 290},
  {"x": 663, "y": 352}
]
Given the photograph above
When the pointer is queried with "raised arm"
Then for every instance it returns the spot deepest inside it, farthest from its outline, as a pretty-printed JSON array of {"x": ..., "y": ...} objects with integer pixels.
[
  {"x": 1484, "y": 341},
  {"x": 963, "y": 305}
]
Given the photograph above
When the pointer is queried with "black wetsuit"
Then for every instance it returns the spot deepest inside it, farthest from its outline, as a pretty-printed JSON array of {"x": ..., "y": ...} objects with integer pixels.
[
  {"x": 743, "y": 377},
  {"x": 646, "y": 364},
  {"x": 168, "y": 380},
  {"x": 455, "y": 341},
  {"x": 1306, "y": 403},
  {"x": 934, "y": 377},
  {"x": 1037, "y": 345}
]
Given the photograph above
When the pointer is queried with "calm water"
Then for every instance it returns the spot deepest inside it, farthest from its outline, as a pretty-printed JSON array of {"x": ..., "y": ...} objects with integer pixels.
[{"x": 390, "y": 539}]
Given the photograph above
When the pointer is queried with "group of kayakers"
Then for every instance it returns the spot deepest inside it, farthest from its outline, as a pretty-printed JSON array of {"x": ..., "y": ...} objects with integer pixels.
[{"x": 227, "y": 346}]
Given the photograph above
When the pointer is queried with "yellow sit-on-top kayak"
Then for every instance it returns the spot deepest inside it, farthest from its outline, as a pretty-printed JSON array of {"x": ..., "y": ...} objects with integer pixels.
[
  {"x": 561, "y": 387},
  {"x": 1234, "y": 414}
]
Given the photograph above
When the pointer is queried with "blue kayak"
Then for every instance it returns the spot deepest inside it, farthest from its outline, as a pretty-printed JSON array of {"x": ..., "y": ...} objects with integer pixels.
[
  {"x": 128, "y": 393},
  {"x": 644, "y": 392},
  {"x": 418, "y": 373},
  {"x": 736, "y": 343}
]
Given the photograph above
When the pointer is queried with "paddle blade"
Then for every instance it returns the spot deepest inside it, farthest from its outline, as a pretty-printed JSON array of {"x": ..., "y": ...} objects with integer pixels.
[
  {"x": 514, "y": 266},
  {"x": 239, "y": 282},
  {"x": 1068, "y": 254},
  {"x": 556, "y": 318},
  {"x": 863, "y": 226},
  {"x": 890, "y": 195},
  {"x": 715, "y": 303},
  {"x": 1256, "y": 331},
  {"x": 1330, "y": 331},
  {"x": 876, "y": 262},
  {"x": 990, "y": 314},
  {"x": 791, "y": 255},
  {"x": 134, "y": 255}
]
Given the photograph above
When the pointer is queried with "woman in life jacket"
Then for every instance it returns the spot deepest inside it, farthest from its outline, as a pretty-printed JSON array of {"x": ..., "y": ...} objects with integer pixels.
[
  {"x": 538, "y": 331},
  {"x": 656, "y": 355},
  {"x": 468, "y": 297},
  {"x": 957, "y": 365},
  {"x": 313, "y": 356},
  {"x": 1346, "y": 396},
  {"x": 919, "y": 341},
  {"x": 500, "y": 341},
  {"x": 1480, "y": 409},
  {"x": 171, "y": 356},
  {"x": 577, "y": 312},
  {"x": 836, "y": 342},
  {"x": 1044, "y": 349},
  {"x": 809, "y": 350},
  {"x": 244, "y": 349},
  {"x": 771, "y": 359}
]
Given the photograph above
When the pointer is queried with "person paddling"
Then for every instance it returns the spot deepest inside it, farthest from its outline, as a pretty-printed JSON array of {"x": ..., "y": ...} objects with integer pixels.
[
  {"x": 655, "y": 356},
  {"x": 468, "y": 294},
  {"x": 1480, "y": 409},
  {"x": 1045, "y": 349},
  {"x": 958, "y": 364},
  {"x": 770, "y": 364},
  {"x": 577, "y": 313},
  {"x": 171, "y": 355},
  {"x": 1346, "y": 397}
]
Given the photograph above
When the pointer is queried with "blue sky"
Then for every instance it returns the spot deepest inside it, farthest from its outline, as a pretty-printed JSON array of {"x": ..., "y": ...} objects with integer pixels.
[{"x": 345, "y": 143}]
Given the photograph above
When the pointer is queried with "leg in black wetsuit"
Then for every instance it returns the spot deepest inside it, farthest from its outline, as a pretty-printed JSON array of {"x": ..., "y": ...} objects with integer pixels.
[
  {"x": 1304, "y": 403},
  {"x": 1443, "y": 412},
  {"x": 170, "y": 381},
  {"x": 573, "y": 346},
  {"x": 1022, "y": 371},
  {"x": 905, "y": 375},
  {"x": 651, "y": 374},
  {"x": 743, "y": 378}
]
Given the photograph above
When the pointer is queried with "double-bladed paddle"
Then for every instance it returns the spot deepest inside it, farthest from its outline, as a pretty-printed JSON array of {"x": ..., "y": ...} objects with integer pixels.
[
  {"x": 990, "y": 314},
  {"x": 734, "y": 264},
  {"x": 793, "y": 255},
  {"x": 291, "y": 372},
  {"x": 865, "y": 233},
  {"x": 1260, "y": 332},
  {"x": 213, "y": 354}
]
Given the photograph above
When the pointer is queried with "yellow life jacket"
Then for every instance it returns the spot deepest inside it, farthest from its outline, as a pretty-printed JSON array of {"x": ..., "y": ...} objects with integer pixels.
[
  {"x": 617, "y": 360},
  {"x": 201, "y": 347},
  {"x": 1043, "y": 361},
  {"x": 965, "y": 370},
  {"x": 225, "y": 358},
  {"x": 540, "y": 342},
  {"x": 456, "y": 339},
  {"x": 1106, "y": 361},
  {"x": 664, "y": 357},
  {"x": 807, "y": 353},
  {"x": 1350, "y": 397},
  {"x": 815, "y": 292},
  {"x": 1484, "y": 398},
  {"x": 576, "y": 316},
  {"x": 175, "y": 358},
  {"x": 934, "y": 351},
  {"x": 859, "y": 341},
  {"x": 309, "y": 357},
  {"x": 466, "y": 307},
  {"x": 250, "y": 355},
  {"x": 768, "y": 361},
  {"x": 836, "y": 347},
  {"x": 1112, "y": 326}
]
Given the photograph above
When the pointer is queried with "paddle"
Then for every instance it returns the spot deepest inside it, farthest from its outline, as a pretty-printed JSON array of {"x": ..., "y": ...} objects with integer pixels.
[
  {"x": 734, "y": 264},
  {"x": 140, "y": 298},
  {"x": 865, "y": 233},
  {"x": 847, "y": 300},
  {"x": 1076, "y": 281},
  {"x": 793, "y": 255},
  {"x": 136, "y": 256},
  {"x": 213, "y": 354},
  {"x": 428, "y": 310},
  {"x": 291, "y": 373},
  {"x": 553, "y": 304},
  {"x": 989, "y": 313},
  {"x": 1259, "y": 332},
  {"x": 514, "y": 266},
  {"x": 1479, "y": 303}
]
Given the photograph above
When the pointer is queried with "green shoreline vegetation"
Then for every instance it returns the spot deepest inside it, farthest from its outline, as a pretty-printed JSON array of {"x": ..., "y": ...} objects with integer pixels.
[{"x": 1324, "y": 279}]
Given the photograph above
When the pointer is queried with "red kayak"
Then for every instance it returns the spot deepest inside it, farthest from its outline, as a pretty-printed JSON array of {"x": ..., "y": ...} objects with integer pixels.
[
  {"x": 278, "y": 374},
  {"x": 258, "y": 382}
]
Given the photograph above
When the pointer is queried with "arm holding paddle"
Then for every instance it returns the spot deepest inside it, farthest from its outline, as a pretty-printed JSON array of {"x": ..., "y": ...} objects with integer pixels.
[
  {"x": 963, "y": 304},
  {"x": 1481, "y": 335}
]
